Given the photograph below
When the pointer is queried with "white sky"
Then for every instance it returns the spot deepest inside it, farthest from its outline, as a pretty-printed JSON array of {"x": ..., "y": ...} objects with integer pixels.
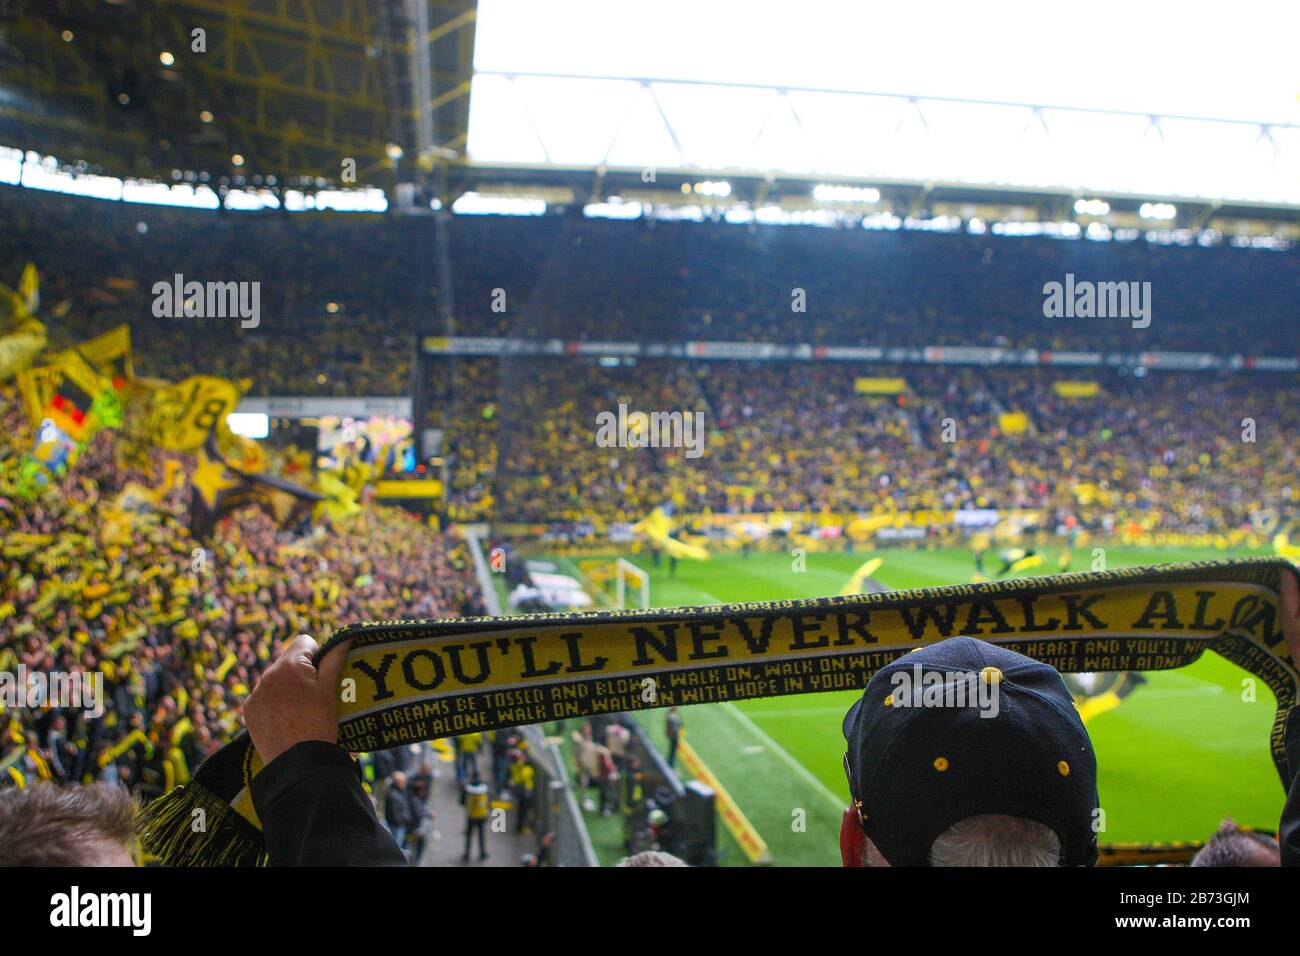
[{"x": 1225, "y": 60}]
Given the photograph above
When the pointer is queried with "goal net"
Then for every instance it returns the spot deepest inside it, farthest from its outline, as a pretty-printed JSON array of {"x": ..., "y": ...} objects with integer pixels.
[{"x": 618, "y": 583}]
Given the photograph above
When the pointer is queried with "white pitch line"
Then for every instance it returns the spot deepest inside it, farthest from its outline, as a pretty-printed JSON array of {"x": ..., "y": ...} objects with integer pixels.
[
  {"x": 796, "y": 766},
  {"x": 823, "y": 712}
]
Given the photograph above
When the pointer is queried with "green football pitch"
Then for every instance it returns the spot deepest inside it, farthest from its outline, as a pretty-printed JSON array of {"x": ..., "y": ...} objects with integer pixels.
[{"x": 1180, "y": 753}]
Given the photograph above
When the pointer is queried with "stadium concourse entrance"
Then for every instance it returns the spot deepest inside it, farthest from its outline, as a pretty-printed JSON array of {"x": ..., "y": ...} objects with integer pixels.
[
  {"x": 556, "y": 835},
  {"x": 444, "y": 843}
]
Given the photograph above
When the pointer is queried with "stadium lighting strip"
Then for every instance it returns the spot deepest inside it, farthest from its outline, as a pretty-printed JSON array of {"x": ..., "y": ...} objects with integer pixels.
[
  {"x": 845, "y": 204},
  {"x": 31, "y": 170},
  {"x": 1159, "y": 233}
]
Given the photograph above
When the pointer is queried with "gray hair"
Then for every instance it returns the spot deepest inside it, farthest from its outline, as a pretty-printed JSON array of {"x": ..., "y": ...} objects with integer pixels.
[
  {"x": 651, "y": 858},
  {"x": 994, "y": 839}
]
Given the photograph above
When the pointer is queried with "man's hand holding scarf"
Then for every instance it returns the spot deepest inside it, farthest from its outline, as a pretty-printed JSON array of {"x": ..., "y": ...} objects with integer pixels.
[{"x": 308, "y": 795}]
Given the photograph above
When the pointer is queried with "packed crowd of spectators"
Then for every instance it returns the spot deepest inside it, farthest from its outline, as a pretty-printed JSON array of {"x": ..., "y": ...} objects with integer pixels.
[
  {"x": 1182, "y": 452},
  {"x": 180, "y": 628},
  {"x": 104, "y": 259},
  {"x": 655, "y": 281},
  {"x": 344, "y": 295}
]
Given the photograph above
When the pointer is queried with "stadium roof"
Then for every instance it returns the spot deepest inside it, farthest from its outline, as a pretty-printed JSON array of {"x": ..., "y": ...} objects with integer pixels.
[
  {"x": 932, "y": 109},
  {"x": 286, "y": 88},
  {"x": 978, "y": 102}
]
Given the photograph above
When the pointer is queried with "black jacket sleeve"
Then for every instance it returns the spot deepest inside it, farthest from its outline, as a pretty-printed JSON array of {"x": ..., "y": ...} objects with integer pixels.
[
  {"x": 314, "y": 811},
  {"x": 1289, "y": 828}
]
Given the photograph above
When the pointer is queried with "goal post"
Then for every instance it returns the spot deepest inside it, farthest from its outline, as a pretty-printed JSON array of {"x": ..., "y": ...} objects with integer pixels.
[
  {"x": 627, "y": 574},
  {"x": 615, "y": 582}
]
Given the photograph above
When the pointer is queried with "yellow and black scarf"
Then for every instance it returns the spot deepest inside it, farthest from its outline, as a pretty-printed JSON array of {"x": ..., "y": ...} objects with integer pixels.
[{"x": 408, "y": 681}]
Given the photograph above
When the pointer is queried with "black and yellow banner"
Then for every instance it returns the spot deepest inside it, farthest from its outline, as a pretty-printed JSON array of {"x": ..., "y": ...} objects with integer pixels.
[
  {"x": 879, "y": 386},
  {"x": 217, "y": 488},
  {"x": 182, "y": 415},
  {"x": 417, "y": 680},
  {"x": 407, "y": 681}
]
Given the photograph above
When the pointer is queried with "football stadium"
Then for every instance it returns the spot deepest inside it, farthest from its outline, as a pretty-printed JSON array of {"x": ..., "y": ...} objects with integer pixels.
[{"x": 709, "y": 435}]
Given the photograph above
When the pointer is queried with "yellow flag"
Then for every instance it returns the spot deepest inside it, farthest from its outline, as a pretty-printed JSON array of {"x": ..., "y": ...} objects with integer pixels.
[
  {"x": 657, "y": 525},
  {"x": 110, "y": 353},
  {"x": 29, "y": 289},
  {"x": 854, "y": 583},
  {"x": 182, "y": 414},
  {"x": 340, "y": 499},
  {"x": 1013, "y": 423},
  {"x": 22, "y": 336},
  {"x": 19, "y": 347}
]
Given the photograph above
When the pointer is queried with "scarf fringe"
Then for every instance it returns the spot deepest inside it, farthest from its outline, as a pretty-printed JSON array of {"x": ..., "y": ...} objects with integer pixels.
[{"x": 168, "y": 831}]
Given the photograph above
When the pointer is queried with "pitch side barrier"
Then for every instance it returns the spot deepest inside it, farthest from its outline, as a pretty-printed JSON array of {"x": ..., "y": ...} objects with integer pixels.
[
  {"x": 657, "y": 774},
  {"x": 931, "y": 355},
  {"x": 557, "y": 808},
  {"x": 691, "y": 809},
  {"x": 474, "y": 535},
  {"x": 904, "y": 529}
]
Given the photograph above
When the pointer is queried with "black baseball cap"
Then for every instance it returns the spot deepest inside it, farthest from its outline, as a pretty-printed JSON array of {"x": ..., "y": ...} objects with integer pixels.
[{"x": 914, "y": 771}]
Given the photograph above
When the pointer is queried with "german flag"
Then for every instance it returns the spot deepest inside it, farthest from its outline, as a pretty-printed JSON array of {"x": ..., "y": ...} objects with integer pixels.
[
  {"x": 71, "y": 401},
  {"x": 69, "y": 408}
]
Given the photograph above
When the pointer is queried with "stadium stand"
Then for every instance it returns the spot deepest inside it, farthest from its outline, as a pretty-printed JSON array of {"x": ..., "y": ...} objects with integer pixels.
[
  {"x": 788, "y": 436},
  {"x": 659, "y": 281},
  {"x": 1143, "y": 454},
  {"x": 492, "y": 434},
  {"x": 180, "y": 639},
  {"x": 700, "y": 281}
]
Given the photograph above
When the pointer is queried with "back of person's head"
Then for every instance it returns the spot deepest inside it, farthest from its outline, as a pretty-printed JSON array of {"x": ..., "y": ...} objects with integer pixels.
[
  {"x": 964, "y": 753},
  {"x": 993, "y": 839},
  {"x": 49, "y": 825},
  {"x": 1232, "y": 846},
  {"x": 651, "y": 858},
  {"x": 990, "y": 839}
]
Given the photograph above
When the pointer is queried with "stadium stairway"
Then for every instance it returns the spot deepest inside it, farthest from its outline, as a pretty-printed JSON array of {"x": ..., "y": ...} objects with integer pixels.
[{"x": 445, "y": 843}]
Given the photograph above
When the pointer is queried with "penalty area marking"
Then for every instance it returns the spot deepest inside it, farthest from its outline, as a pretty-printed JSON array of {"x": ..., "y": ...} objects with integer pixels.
[
  {"x": 803, "y": 772},
  {"x": 784, "y": 755}
]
